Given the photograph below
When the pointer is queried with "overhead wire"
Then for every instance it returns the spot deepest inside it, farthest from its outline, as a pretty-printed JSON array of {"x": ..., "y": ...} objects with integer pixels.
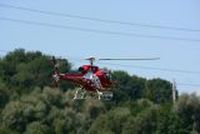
[
  {"x": 97, "y": 30},
  {"x": 165, "y": 70},
  {"x": 189, "y": 84},
  {"x": 3, "y": 51},
  {"x": 99, "y": 19},
  {"x": 155, "y": 68}
]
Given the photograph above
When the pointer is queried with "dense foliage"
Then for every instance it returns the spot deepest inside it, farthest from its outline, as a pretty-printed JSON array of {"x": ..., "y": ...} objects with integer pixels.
[{"x": 28, "y": 105}]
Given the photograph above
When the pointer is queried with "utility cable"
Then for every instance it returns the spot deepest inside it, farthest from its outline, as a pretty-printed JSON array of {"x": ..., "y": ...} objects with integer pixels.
[
  {"x": 99, "y": 19},
  {"x": 154, "y": 68},
  {"x": 97, "y": 30}
]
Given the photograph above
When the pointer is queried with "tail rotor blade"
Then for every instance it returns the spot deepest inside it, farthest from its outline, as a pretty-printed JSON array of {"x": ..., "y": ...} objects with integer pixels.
[{"x": 55, "y": 71}]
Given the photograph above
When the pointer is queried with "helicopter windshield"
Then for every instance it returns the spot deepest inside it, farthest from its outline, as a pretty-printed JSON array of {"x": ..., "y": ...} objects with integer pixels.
[{"x": 88, "y": 75}]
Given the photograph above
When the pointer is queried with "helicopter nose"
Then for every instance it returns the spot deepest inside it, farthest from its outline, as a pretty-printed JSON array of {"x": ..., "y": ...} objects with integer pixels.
[{"x": 80, "y": 69}]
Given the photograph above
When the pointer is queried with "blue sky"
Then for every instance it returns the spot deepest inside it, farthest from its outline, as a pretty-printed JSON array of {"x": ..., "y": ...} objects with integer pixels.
[{"x": 74, "y": 45}]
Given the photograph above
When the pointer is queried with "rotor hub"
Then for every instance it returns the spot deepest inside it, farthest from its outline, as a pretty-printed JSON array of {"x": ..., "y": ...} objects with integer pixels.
[{"x": 91, "y": 60}]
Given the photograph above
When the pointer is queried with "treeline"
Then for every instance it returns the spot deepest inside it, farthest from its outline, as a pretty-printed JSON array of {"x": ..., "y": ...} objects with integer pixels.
[{"x": 28, "y": 105}]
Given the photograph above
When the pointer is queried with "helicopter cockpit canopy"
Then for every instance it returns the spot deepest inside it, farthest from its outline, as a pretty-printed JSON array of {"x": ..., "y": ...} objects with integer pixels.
[{"x": 85, "y": 68}]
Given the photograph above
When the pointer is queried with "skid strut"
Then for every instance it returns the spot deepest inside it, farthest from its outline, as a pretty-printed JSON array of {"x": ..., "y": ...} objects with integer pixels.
[{"x": 79, "y": 94}]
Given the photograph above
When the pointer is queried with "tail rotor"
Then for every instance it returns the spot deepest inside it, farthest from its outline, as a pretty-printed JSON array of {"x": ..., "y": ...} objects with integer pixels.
[{"x": 55, "y": 72}]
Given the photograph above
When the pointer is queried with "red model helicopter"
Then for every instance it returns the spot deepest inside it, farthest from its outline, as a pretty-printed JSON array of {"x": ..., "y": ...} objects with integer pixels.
[{"x": 91, "y": 79}]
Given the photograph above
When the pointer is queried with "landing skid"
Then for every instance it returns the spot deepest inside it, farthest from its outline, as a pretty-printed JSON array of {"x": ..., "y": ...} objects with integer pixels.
[
  {"x": 107, "y": 95},
  {"x": 82, "y": 94}
]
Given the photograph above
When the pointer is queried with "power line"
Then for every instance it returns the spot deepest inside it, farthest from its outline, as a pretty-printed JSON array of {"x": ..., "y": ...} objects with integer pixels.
[
  {"x": 3, "y": 51},
  {"x": 155, "y": 68},
  {"x": 99, "y": 19},
  {"x": 97, "y": 30},
  {"x": 165, "y": 70},
  {"x": 188, "y": 84}
]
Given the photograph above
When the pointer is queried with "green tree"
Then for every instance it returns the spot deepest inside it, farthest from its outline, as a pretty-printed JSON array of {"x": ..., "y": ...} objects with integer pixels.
[
  {"x": 128, "y": 87},
  {"x": 168, "y": 121},
  {"x": 188, "y": 110},
  {"x": 4, "y": 95},
  {"x": 22, "y": 71},
  {"x": 144, "y": 118},
  {"x": 113, "y": 122},
  {"x": 37, "y": 128},
  {"x": 159, "y": 91},
  {"x": 6, "y": 130}
]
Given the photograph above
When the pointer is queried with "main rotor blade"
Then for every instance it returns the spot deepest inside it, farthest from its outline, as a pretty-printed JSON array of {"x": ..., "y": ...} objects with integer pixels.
[{"x": 129, "y": 59}]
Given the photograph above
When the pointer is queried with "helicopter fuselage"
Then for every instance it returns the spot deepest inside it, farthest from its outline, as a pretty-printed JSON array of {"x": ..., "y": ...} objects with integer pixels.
[{"x": 90, "y": 78}]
